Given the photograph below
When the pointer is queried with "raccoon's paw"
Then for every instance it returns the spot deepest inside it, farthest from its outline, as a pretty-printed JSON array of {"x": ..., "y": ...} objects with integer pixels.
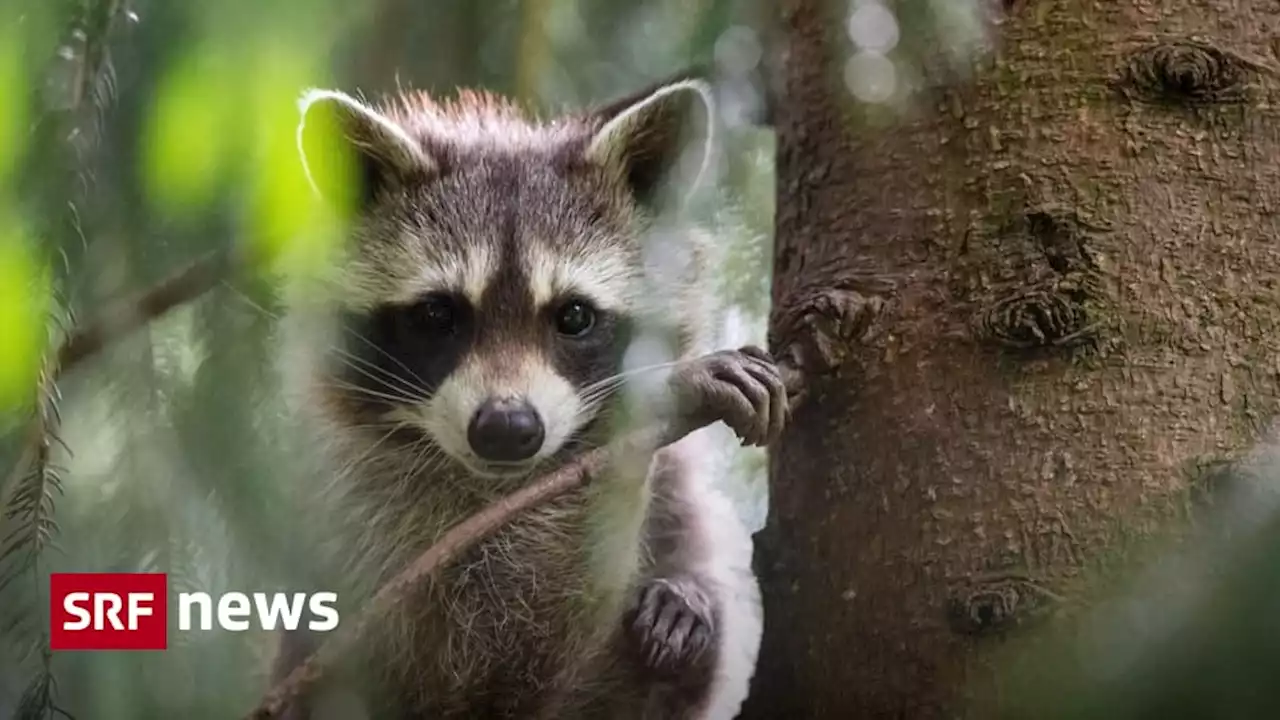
[
  {"x": 671, "y": 626},
  {"x": 741, "y": 387}
]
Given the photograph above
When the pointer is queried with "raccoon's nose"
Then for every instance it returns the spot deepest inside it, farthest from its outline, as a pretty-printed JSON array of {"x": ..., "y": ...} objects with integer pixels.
[{"x": 505, "y": 431}]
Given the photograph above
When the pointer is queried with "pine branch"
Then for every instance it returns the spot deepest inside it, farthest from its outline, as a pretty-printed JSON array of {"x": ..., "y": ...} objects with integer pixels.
[
  {"x": 39, "y": 700},
  {"x": 31, "y": 513},
  {"x": 30, "y": 509}
]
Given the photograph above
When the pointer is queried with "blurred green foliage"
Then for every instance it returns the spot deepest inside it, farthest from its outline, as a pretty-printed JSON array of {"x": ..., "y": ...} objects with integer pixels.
[
  {"x": 13, "y": 87},
  {"x": 24, "y": 305}
]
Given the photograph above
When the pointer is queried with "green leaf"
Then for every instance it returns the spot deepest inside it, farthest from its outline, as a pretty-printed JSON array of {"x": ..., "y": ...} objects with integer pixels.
[
  {"x": 24, "y": 303},
  {"x": 14, "y": 90},
  {"x": 293, "y": 233},
  {"x": 193, "y": 132}
]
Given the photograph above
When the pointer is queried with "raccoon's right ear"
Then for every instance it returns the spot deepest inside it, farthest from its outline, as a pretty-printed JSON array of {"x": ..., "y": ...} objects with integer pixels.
[
  {"x": 652, "y": 134},
  {"x": 350, "y": 151}
]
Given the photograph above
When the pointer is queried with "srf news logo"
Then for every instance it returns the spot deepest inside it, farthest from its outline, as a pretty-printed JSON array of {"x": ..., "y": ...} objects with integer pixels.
[{"x": 130, "y": 611}]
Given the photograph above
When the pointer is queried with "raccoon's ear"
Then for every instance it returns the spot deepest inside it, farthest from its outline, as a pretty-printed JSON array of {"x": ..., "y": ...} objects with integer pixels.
[
  {"x": 658, "y": 139},
  {"x": 350, "y": 151}
]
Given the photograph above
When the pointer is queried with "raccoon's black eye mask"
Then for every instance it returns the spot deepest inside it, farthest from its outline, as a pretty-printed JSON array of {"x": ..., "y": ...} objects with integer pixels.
[
  {"x": 400, "y": 354},
  {"x": 436, "y": 315}
]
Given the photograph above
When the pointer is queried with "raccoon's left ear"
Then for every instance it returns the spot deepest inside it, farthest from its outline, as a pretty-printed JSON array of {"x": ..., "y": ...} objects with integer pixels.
[
  {"x": 351, "y": 151},
  {"x": 657, "y": 139}
]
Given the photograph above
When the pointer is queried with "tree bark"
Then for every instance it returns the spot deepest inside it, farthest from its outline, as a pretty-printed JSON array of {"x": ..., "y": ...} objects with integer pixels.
[{"x": 1076, "y": 254}]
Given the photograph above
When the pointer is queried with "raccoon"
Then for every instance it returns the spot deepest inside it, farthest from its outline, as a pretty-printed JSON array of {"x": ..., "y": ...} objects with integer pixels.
[{"x": 477, "y": 332}]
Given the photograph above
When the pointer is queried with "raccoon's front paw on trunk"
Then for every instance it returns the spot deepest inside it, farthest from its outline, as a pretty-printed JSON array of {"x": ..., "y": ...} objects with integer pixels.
[
  {"x": 671, "y": 626},
  {"x": 741, "y": 387}
]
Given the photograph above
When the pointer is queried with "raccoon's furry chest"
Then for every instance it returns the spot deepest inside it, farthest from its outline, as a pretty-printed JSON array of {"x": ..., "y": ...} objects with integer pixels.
[{"x": 525, "y": 623}]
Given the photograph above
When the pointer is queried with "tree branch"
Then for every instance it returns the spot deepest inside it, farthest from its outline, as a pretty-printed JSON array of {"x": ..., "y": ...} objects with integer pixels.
[
  {"x": 120, "y": 319},
  {"x": 126, "y": 316}
]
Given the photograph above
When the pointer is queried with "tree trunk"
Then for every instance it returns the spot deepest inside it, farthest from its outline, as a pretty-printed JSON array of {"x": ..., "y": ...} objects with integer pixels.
[{"x": 1076, "y": 254}]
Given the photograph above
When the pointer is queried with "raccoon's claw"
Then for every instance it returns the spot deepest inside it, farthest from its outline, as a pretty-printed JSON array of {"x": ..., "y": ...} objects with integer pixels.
[
  {"x": 741, "y": 387},
  {"x": 670, "y": 626}
]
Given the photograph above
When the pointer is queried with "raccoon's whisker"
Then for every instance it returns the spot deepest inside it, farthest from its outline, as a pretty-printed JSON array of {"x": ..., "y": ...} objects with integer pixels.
[
  {"x": 605, "y": 386},
  {"x": 387, "y": 377},
  {"x": 432, "y": 468},
  {"x": 425, "y": 453},
  {"x": 575, "y": 439},
  {"x": 373, "y": 367},
  {"x": 399, "y": 390},
  {"x": 629, "y": 373},
  {"x": 594, "y": 399},
  {"x": 593, "y": 396},
  {"x": 430, "y": 459},
  {"x": 375, "y": 394},
  {"x": 590, "y": 402},
  {"x": 413, "y": 375},
  {"x": 352, "y": 465},
  {"x": 600, "y": 390},
  {"x": 377, "y": 425}
]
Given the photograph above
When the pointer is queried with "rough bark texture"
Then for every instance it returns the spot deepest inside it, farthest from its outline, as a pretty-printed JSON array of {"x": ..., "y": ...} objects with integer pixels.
[{"x": 1077, "y": 256}]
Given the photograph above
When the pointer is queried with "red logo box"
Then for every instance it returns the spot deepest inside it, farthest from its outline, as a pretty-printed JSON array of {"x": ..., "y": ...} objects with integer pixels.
[{"x": 108, "y": 611}]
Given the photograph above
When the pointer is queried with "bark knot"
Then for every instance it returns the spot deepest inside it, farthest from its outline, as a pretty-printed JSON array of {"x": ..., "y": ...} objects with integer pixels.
[
  {"x": 1053, "y": 316},
  {"x": 1189, "y": 72},
  {"x": 995, "y": 603},
  {"x": 1050, "y": 298}
]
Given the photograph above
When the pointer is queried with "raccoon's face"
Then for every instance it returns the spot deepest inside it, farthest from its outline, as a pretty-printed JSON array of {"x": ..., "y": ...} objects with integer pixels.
[{"x": 489, "y": 293}]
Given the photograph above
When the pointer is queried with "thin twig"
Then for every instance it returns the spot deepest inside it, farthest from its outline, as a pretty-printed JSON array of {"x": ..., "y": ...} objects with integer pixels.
[{"x": 126, "y": 316}]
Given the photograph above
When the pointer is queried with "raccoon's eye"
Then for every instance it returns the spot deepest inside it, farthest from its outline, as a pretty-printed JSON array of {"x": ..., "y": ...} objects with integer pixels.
[
  {"x": 575, "y": 318},
  {"x": 436, "y": 313}
]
